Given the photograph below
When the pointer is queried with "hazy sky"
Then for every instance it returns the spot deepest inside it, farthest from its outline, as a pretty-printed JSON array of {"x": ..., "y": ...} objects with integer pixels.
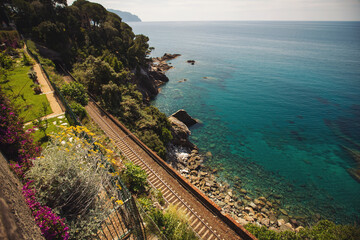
[{"x": 192, "y": 10}]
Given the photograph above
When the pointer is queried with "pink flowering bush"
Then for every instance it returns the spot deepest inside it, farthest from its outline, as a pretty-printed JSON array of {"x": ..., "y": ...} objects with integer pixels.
[
  {"x": 51, "y": 225},
  {"x": 18, "y": 146},
  {"x": 15, "y": 143}
]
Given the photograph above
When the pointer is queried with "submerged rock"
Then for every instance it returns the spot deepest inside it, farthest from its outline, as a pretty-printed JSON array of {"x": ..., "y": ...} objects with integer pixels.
[{"x": 283, "y": 211}]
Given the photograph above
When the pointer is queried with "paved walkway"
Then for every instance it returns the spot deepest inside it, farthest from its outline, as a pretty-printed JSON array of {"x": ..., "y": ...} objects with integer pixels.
[
  {"x": 46, "y": 88},
  {"x": 48, "y": 91}
]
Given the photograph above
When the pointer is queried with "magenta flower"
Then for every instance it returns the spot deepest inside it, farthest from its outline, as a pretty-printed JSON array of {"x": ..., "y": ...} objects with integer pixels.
[{"x": 51, "y": 225}]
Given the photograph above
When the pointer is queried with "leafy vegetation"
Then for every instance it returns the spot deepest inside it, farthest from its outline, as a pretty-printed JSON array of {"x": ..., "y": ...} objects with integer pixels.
[
  {"x": 51, "y": 225},
  {"x": 11, "y": 38},
  {"x": 103, "y": 51},
  {"x": 15, "y": 143},
  {"x": 323, "y": 230},
  {"x": 134, "y": 177},
  {"x": 120, "y": 97},
  {"x": 78, "y": 31},
  {"x": 75, "y": 91},
  {"x": 70, "y": 176},
  {"x": 173, "y": 223}
]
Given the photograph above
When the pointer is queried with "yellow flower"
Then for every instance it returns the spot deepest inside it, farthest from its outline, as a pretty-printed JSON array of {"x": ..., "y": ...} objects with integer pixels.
[
  {"x": 109, "y": 151},
  {"x": 119, "y": 202}
]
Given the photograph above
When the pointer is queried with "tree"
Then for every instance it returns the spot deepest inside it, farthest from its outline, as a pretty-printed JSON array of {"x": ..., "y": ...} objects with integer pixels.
[
  {"x": 94, "y": 73},
  {"x": 137, "y": 53},
  {"x": 52, "y": 34},
  {"x": 111, "y": 97}
]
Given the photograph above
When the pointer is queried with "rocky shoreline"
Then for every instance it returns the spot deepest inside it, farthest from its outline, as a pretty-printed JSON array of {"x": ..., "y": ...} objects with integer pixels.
[
  {"x": 235, "y": 201},
  {"x": 184, "y": 156}
]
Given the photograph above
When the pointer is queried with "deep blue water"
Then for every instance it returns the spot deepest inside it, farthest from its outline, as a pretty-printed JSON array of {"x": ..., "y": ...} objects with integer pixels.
[{"x": 279, "y": 104}]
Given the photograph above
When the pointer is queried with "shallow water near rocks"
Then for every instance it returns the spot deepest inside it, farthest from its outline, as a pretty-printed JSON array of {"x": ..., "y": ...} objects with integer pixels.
[{"x": 279, "y": 104}]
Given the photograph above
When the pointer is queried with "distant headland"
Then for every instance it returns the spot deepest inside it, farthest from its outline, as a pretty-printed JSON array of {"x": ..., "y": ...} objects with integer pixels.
[{"x": 125, "y": 16}]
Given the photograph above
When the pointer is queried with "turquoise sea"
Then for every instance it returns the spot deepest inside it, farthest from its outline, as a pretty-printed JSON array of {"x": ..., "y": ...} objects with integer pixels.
[{"x": 279, "y": 104}]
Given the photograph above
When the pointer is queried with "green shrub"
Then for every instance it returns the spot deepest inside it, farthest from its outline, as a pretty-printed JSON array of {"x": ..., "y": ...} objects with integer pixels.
[
  {"x": 78, "y": 110},
  {"x": 75, "y": 91},
  {"x": 173, "y": 223},
  {"x": 323, "y": 230},
  {"x": 159, "y": 197},
  {"x": 262, "y": 233},
  {"x": 32, "y": 49},
  {"x": 26, "y": 60},
  {"x": 5, "y": 61},
  {"x": 70, "y": 177},
  {"x": 32, "y": 75},
  {"x": 135, "y": 177},
  {"x": 152, "y": 140},
  {"x": 146, "y": 204}
]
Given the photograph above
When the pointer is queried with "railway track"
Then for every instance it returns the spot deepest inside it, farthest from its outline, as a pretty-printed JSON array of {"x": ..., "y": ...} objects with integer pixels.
[
  {"x": 175, "y": 191},
  {"x": 197, "y": 222}
]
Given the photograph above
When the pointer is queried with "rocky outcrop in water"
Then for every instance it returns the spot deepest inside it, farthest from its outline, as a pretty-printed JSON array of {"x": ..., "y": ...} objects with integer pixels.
[
  {"x": 184, "y": 117},
  {"x": 148, "y": 80},
  {"x": 161, "y": 63},
  {"x": 192, "y": 62},
  {"x": 180, "y": 133}
]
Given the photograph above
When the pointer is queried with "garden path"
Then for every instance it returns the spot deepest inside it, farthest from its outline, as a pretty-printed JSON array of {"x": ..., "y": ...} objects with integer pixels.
[{"x": 46, "y": 88}]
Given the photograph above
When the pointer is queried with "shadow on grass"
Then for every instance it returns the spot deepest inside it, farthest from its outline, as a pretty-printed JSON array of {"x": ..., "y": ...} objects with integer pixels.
[{"x": 44, "y": 139}]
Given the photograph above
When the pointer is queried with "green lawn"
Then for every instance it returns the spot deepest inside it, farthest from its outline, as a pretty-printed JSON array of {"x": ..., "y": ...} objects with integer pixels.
[
  {"x": 53, "y": 127},
  {"x": 19, "y": 88}
]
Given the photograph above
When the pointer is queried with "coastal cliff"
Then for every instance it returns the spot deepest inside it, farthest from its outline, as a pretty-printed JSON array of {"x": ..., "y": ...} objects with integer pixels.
[{"x": 149, "y": 79}]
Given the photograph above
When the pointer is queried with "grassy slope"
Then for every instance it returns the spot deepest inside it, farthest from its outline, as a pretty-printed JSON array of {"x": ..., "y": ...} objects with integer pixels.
[{"x": 19, "y": 87}]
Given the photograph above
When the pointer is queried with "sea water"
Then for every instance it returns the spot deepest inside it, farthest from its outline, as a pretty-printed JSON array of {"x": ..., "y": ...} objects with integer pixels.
[{"x": 279, "y": 105}]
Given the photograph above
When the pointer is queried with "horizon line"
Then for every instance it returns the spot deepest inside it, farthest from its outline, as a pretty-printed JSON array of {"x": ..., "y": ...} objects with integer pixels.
[{"x": 251, "y": 21}]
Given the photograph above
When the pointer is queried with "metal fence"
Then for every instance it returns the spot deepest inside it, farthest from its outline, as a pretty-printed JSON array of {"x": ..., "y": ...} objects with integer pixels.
[{"x": 124, "y": 221}]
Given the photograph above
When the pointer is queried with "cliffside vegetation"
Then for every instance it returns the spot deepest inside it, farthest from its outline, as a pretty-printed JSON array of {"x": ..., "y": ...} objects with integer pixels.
[
  {"x": 323, "y": 230},
  {"x": 105, "y": 56}
]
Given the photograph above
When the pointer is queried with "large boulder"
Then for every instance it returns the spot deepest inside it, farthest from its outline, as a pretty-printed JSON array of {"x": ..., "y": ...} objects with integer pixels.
[
  {"x": 180, "y": 133},
  {"x": 184, "y": 117}
]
